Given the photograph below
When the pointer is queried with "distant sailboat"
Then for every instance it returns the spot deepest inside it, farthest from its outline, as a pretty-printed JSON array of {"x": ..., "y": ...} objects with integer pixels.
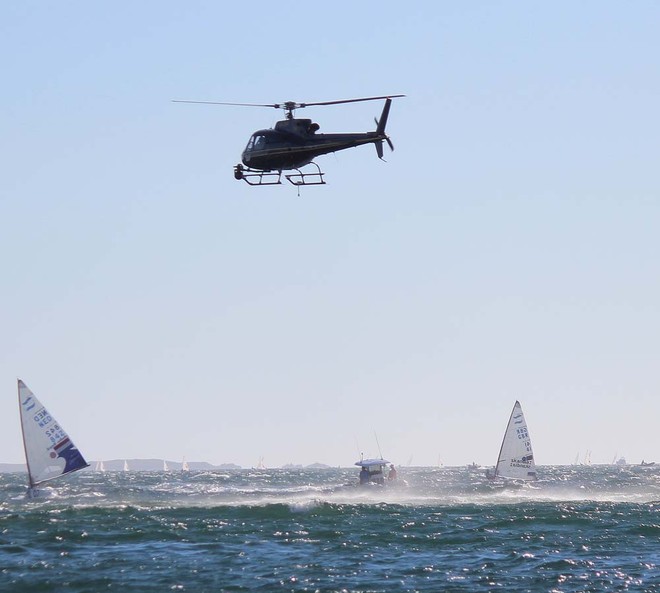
[
  {"x": 49, "y": 452},
  {"x": 184, "y": 466},
  {"x": 99, "y": 467},
  {"x": 126, "y": 466},
  {"x": 165, "y": 466},
  {"x": 516, "y": 459}
]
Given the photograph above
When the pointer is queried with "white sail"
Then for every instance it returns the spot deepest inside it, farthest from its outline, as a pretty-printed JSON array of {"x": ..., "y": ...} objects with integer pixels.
[
  {"x": 184, "y": 466},
  {"x": 165, "y": 466},
  {"x": 125, "y": 465},
  {"x": 49, "y": 452},
  {"x": 516, "y": 459}
]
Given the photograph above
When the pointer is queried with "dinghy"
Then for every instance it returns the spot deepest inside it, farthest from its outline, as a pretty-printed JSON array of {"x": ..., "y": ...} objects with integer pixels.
[
  {"x": 516, "y": 459},
  {"x": 49, "y": 452}
]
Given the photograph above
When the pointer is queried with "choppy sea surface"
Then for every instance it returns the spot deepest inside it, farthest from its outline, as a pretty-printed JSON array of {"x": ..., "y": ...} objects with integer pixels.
[{"x": 585, "y": 528}]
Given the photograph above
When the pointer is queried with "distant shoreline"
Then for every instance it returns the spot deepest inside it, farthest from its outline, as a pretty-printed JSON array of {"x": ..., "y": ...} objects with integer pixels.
[{"x": 117, "y": 465}]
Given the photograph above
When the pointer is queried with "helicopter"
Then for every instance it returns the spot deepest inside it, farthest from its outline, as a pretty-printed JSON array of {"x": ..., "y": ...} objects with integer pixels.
[{"x": 294, "y": 143}]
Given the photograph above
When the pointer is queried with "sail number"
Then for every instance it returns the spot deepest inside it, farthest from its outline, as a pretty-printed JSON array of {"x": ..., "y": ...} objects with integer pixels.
[
  {"x": 524, "y": 435},
  {"x": 55, "y": 434}
]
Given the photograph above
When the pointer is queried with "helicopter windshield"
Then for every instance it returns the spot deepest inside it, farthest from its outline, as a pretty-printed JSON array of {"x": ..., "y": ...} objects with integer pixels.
[
  {"x": 264, "y": 140},
  {"x": 256, "y": 142}
]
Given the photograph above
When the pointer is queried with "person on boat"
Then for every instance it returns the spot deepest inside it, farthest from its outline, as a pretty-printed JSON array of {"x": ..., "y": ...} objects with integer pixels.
[
  {"x": 392, "y": 474},
  {"x": 364, "y": 475}
]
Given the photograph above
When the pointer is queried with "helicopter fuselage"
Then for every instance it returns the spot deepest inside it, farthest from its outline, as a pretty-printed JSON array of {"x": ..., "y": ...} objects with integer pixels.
[{"x": 294, "y": 143}]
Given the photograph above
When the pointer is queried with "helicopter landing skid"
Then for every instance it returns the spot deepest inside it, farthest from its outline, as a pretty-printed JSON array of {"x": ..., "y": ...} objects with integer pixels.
[
  {"x": 256, "y": 177},
  {"x": 300, "y": 178}
]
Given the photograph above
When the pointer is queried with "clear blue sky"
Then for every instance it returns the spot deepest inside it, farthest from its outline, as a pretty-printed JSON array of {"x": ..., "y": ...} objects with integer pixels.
[{"x": 508, "y": 249}]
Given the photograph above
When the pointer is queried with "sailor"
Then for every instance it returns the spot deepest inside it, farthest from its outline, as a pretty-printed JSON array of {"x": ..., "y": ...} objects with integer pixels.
[{"x": 392, "y": 474}]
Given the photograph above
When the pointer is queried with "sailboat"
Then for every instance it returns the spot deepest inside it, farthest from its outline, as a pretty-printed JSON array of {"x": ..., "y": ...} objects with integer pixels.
[
  {"x": 125, "y": 465},
  {"x": 184, "y": 466},
  {"x": 166, "y": 467},
  {"x": 49, "y": 452},
  {"x": 100, "y": 466},
  {"x": 516, "y": 459}
]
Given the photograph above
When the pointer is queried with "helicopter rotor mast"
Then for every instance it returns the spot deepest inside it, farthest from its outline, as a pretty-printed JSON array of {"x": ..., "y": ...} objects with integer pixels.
[{"x": 290, "y": 106}]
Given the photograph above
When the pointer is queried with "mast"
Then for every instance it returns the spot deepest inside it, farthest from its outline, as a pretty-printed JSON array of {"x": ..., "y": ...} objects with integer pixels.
[
  {"x": 506, "y": 431},
  {"x": 31, "y": 483}
]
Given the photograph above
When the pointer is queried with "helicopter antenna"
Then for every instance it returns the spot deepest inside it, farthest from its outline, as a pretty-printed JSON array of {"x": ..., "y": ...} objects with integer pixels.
[{"x": 290, "y": 106}]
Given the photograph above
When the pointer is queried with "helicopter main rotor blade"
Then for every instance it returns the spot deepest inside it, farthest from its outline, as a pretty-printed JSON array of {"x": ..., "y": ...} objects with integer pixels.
[
  {"x": 290, "y": 105},
  {"x": 350, "y": 100},
  {"x": 276, "y": 105}
]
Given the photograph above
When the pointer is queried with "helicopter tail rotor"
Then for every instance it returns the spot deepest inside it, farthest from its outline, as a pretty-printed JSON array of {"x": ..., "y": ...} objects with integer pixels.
[{"x": 379, "y": 146}]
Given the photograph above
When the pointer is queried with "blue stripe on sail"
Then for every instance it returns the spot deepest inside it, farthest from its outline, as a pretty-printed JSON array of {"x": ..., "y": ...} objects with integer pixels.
[
  {"x": 73, "y": 460},
  {"x": 26, "y": 402}
]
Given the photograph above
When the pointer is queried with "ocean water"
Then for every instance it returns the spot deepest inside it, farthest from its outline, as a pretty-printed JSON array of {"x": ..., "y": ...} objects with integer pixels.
[{"x": 577, "y": 529}]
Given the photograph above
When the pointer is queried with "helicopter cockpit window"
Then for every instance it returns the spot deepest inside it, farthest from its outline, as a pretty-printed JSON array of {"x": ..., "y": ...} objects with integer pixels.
[{"x": 257, "y": 142}]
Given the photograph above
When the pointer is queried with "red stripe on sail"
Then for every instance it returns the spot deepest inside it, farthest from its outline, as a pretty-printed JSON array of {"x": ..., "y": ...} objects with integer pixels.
[{"x": 62, "y": 443}]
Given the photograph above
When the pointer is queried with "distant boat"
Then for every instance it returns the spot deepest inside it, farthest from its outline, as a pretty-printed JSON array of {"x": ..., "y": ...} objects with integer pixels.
[
  {"x": 261, "y": 464},
  {"x": 126, "y": 466},
  {"x": 165, "y": 466},
  {"x": 647, "y": 463},
  {"x": 49, "y": 452},
  {"x": 473, "y": 467},
  {"x": 372, "y": 471},
  {"x": 99, "y": 467},
  {"x": 516, "y": 459},
  {"x": 184, "y": 466}
]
